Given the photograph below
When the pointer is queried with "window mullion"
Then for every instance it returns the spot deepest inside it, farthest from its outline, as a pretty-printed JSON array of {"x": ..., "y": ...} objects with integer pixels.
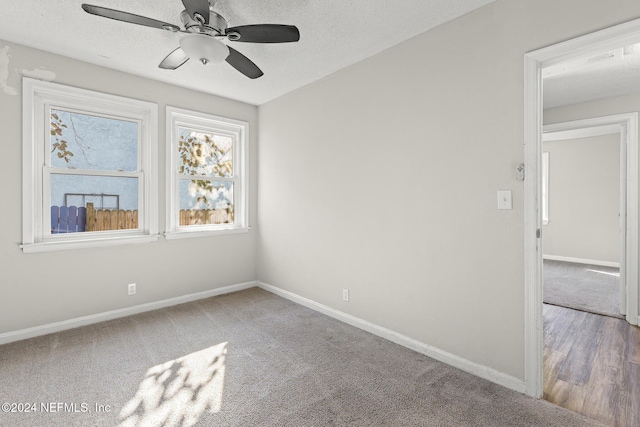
[
  {"x": 206, "y": 178},
  {"x": 93, "y": 172}
]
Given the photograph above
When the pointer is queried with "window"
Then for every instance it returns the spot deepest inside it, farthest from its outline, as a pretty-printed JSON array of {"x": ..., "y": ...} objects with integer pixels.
[
  {"x": 89, "y": 168},
  {"x": 207, "y": 174}
]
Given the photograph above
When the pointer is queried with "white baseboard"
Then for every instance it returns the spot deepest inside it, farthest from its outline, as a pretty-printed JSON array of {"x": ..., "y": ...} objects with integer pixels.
[
  {"x": 473, "y": 368},
  {"x": 49, "y": 328},
  {"x": 582, "y": 261},
  {"x": 433, "y": 352}
]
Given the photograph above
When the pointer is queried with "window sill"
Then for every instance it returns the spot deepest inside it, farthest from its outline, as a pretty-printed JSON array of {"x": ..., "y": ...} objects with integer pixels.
[
  {"x": 187, "y": 234},
  {"x": 82, "y": 244}
]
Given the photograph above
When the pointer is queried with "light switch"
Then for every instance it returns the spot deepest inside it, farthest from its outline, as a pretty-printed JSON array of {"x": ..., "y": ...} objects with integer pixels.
[{"x": 504, "y": 199}]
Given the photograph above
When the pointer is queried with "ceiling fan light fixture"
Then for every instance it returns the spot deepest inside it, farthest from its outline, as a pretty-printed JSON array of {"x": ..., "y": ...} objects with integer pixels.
[{"x": 204, "y": 48}]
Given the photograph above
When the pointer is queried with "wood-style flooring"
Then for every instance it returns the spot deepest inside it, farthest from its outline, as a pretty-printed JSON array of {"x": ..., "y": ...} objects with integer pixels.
[{"x": 592, "y": 365}]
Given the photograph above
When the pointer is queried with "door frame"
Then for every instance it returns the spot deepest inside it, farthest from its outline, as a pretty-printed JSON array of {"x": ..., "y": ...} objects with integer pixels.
[
  {"x": 597, "y": 42},
  {"x": 626, "y": 126}
]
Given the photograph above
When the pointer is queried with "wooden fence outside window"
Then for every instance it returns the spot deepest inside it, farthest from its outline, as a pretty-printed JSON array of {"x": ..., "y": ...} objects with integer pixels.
[{"x": 71, "y": 219}]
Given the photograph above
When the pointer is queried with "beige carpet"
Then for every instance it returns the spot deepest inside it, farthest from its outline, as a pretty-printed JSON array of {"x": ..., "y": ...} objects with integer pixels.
[
  {"x": 246, "y": 359},
  {"x": 582, "y": 287}
]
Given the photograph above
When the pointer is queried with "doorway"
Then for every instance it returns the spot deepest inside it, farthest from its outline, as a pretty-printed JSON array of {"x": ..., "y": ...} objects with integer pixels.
[
  {"x": 584, "y": 237},
  {"x": 599, "y": 42}
]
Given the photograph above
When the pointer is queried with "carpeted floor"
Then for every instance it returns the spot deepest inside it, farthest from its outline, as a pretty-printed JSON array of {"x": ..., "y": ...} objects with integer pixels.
[
  {"x": 246, "y": 359},
  {"x": 582, "y": 287}
]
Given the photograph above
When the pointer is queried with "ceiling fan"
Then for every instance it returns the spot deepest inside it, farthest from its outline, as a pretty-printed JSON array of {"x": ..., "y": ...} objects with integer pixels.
[{"x": 205, "y": 29}]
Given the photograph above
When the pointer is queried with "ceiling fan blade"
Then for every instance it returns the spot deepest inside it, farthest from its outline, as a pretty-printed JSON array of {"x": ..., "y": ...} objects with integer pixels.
[
  {"x": 264, "y": 33},
  {"x": 174, "y": 60},
  {"x": 200, "y": 7},
  {"x": 128, "y": 17},
  {"x": 243, "y": 64}
]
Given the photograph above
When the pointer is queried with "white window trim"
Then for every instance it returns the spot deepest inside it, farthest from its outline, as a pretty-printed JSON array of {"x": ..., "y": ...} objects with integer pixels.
[
  {"x": 37, "y": 98},
  {"x": 176, "y": 117}
]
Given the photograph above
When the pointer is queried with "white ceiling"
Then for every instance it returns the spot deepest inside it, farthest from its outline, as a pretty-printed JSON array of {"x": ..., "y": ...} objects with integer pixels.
[
  {"x": 334, "y": 35},
  {"x": 603, "y": 75}
]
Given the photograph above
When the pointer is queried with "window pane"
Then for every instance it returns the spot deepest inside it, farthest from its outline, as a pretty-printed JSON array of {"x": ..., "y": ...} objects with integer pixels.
[
  {"x": 205, "y": 154},
  {"x": 83, "y": 141},
  {"x": 93, "y": 203},
  {"x": 205, "y": 202}
]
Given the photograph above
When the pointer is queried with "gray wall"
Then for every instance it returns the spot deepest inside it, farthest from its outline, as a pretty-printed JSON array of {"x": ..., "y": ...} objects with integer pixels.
[
  {"x": 43, "y": 288},
  {"x": 584, "y": 198},
  {"x": 587, "y": 110},
  {"x": 382, "y": 179}
]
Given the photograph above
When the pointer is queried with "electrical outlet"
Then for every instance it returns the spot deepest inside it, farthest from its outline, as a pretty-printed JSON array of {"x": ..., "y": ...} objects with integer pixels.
[
  {"x": 131, "y": 289},
  {"x": 345, "y": 294}
]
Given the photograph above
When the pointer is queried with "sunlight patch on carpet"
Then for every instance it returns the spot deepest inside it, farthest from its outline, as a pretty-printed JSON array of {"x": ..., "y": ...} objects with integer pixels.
[{"x": 178, "y": 392}]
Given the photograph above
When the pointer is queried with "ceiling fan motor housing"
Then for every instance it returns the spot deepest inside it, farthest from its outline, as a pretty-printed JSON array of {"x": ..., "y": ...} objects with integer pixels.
[{"x": 216, "y": 26}]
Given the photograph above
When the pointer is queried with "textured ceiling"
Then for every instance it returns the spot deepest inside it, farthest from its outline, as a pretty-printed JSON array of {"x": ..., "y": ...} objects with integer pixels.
[
  {"x": 603, "y": 75},
  {"x": 334, "y": 35}
]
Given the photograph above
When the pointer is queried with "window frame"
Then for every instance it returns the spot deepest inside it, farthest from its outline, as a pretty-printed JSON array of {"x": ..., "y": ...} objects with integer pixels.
[
  {"x": 39, "y": 98},
  {"x": 207, "y": 123}
]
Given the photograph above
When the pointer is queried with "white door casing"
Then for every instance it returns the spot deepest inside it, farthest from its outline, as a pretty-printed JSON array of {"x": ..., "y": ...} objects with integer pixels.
[{"x": 600, "y": 41}]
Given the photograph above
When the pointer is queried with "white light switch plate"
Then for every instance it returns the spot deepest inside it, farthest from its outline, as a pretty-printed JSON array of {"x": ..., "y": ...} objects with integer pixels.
[{"x": 504, "y": 199}]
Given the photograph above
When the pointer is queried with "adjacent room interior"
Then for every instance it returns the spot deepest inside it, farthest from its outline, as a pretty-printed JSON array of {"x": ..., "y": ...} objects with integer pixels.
[
  {"x": 303, "y": 213},
  {"x": 582, "y": 224},
  {"x": 585, "y": 174}
]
